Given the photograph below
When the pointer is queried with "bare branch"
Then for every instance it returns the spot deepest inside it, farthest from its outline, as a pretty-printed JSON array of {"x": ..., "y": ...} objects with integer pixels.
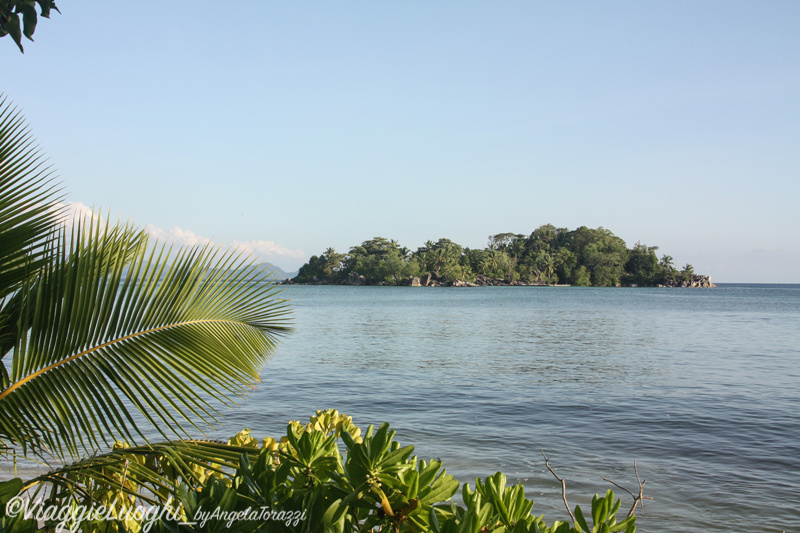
[
  {"x": 619, "y": 486},
  {"x": 637, "y": 500},
  {"x": 563, "y": 485}
]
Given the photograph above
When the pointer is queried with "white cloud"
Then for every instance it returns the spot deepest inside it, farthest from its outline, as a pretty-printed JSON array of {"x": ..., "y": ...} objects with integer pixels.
[
  {"x": 177, "y": 235},
  {"x": 268, "y": 249},
  {"x": 72, "y": 211},
  {"x": 259, "y": 249}
]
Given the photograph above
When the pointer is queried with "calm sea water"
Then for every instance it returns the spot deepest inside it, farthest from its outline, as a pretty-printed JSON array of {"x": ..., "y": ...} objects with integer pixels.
[{"x": 700, "y": 387}]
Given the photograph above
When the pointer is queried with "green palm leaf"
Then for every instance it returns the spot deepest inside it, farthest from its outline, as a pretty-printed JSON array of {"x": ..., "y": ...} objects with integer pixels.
[
  {"x": 115, "y": 334},
  {"x": 29, "y": 211},
  {"x": 28, "y": 202},
  {"x": 103, "y": 334},
  {"x": 150, "y": 473}
]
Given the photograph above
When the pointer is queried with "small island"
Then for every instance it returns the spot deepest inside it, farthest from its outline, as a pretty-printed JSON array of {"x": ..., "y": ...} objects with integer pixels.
[{"x": 549, "y": 256}]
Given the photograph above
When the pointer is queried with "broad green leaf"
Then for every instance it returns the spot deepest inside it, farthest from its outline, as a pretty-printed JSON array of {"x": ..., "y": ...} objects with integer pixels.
[
  {"x": 28, "y": 19},
  {"x": 9, "y": 489},
  {"x": 580, "y": 521}
]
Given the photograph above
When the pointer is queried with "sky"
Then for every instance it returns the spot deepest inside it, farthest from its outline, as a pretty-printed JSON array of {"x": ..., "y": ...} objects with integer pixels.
[{"x": 285, "y": 128}]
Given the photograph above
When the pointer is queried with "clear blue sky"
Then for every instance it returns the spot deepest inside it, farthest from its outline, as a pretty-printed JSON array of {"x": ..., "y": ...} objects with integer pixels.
[{"x": 294, "y": 126}]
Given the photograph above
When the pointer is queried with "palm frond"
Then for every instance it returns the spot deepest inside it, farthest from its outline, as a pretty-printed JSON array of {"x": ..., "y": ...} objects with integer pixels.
[
  {"x": 115, "y": 335},
  {"x": 150, "y": 473},
  {"x": 28, "y": 202}
]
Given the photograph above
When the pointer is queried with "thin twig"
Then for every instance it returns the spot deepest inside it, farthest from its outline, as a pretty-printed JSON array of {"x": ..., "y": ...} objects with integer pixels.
[
  {"x": 636, "y": 499},
  {"x": 563, "y": 485},
  {"x": 619, "y": 486}
]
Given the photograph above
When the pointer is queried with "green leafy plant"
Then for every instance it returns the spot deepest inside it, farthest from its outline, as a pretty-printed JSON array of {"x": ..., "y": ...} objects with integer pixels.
[
  {"x": 322, "y": 476},
  {"x": 373, "y": 484}
]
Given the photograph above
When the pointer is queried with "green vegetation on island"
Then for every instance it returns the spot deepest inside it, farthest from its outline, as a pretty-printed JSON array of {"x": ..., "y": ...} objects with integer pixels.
[{"x": 548, "y": 256}]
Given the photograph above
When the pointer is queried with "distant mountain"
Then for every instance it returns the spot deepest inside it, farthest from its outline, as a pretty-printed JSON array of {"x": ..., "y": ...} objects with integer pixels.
[{"x": 279, "y": 272}]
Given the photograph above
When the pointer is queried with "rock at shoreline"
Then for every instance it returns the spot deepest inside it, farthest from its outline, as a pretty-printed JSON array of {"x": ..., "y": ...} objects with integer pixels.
[
  {"x": 698, "y": 281},
  {"x": 414, "y": 282},
  {"x": 353, "y": 278},
  {"x": 484, "y": 281},
  {"x": 462, "y": 283}
]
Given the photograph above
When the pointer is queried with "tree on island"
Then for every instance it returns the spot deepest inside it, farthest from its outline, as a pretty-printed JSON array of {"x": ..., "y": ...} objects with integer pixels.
[{"x": 642, "y": 266}]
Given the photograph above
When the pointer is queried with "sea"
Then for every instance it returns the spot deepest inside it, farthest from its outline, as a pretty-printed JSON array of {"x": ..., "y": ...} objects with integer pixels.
[{"x": 699, "y": 388}]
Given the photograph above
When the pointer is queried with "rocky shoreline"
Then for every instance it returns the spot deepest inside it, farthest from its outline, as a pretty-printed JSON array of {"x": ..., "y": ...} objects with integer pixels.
[
  {"x": 428, "y": 280},
  {"x": 698, "y": 281},
  {"x": 432, "y": 280}
]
